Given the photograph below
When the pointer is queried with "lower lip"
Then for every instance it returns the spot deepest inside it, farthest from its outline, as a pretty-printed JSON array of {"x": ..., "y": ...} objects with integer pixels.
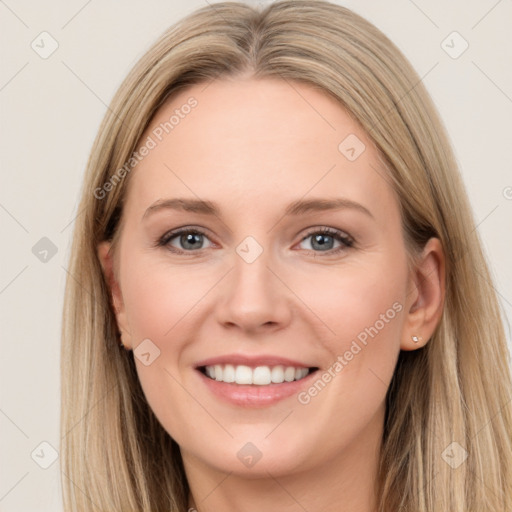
[{"x": 245, "y": 395}]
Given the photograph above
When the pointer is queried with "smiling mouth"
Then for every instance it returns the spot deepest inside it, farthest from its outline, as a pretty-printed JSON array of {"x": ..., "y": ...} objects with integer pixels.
[{"x": 257, "y": 376}]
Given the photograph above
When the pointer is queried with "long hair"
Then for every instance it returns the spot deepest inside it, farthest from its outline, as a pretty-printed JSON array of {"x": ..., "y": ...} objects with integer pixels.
[{"x": 115, "y": 455}]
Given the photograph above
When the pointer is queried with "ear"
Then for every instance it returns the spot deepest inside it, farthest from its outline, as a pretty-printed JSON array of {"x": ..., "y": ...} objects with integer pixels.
[
  {"x": 426, "y": 297},
  {"x": 107, "y": 263}
]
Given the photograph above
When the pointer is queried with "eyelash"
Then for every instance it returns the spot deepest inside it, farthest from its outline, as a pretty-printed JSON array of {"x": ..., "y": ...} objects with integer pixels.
[{"x": 346, "y": 241}]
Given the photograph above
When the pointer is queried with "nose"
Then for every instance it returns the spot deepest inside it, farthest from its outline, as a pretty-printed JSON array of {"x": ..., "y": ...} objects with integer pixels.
[{"x": 254, "y": 298}]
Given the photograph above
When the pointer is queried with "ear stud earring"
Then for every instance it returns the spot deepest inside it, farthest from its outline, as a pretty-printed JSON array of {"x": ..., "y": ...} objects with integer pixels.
[{"x": 416, "y": 339}]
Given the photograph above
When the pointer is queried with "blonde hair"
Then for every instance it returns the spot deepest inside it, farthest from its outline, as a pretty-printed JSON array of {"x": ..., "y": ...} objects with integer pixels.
[{"x": 115, "y": 454}]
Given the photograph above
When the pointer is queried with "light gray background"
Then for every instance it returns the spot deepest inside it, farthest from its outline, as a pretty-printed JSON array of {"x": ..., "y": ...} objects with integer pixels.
[{"x": 51, "y": 110}]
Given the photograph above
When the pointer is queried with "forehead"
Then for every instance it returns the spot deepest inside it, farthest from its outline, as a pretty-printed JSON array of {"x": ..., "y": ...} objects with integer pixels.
[{"x": 239, "y": 140}]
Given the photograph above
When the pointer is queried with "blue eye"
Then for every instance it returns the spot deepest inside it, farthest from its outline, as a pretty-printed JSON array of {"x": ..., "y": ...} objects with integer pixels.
[
  {"x": 323, "y": 240},
  {"x": 190, "y": 240}
]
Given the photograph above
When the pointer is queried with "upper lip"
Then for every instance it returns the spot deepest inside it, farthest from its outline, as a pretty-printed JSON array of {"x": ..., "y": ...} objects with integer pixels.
[{"x": 252, "y": 361}]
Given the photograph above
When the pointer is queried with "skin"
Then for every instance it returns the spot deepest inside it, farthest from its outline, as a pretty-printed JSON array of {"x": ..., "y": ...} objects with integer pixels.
[{"x": 253, "y": 146}]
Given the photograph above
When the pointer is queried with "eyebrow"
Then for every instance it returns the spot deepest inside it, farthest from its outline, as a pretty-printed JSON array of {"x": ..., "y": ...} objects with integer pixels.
[{"x": 299, "y": 207}]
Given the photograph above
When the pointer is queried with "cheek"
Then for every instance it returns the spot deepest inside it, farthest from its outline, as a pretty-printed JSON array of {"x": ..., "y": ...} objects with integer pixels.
[
  {"x": 158, "y": 297},
  {"x": 161, "y": 302},
  {"x": 351, "y": 299},
  {"x": 363, "y": 307}
]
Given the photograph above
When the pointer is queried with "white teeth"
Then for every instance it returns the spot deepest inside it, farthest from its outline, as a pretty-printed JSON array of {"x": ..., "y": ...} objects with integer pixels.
[
  {"x": 277, "y": 374},
  {"x": 229, "y": 373},
  {"x": 243, "y": 375},
  {"x": 300, "y": 373},
  {"x": 259, "y": 376},
  {"x": 289, "y": 374}
]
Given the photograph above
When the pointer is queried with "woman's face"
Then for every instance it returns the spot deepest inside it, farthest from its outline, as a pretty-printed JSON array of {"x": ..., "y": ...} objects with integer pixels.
[{"x": 293, "y": 257}]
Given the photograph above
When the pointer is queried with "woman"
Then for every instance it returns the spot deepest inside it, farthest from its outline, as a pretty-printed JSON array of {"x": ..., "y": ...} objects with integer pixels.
[{"x": 278, "y": 298}]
